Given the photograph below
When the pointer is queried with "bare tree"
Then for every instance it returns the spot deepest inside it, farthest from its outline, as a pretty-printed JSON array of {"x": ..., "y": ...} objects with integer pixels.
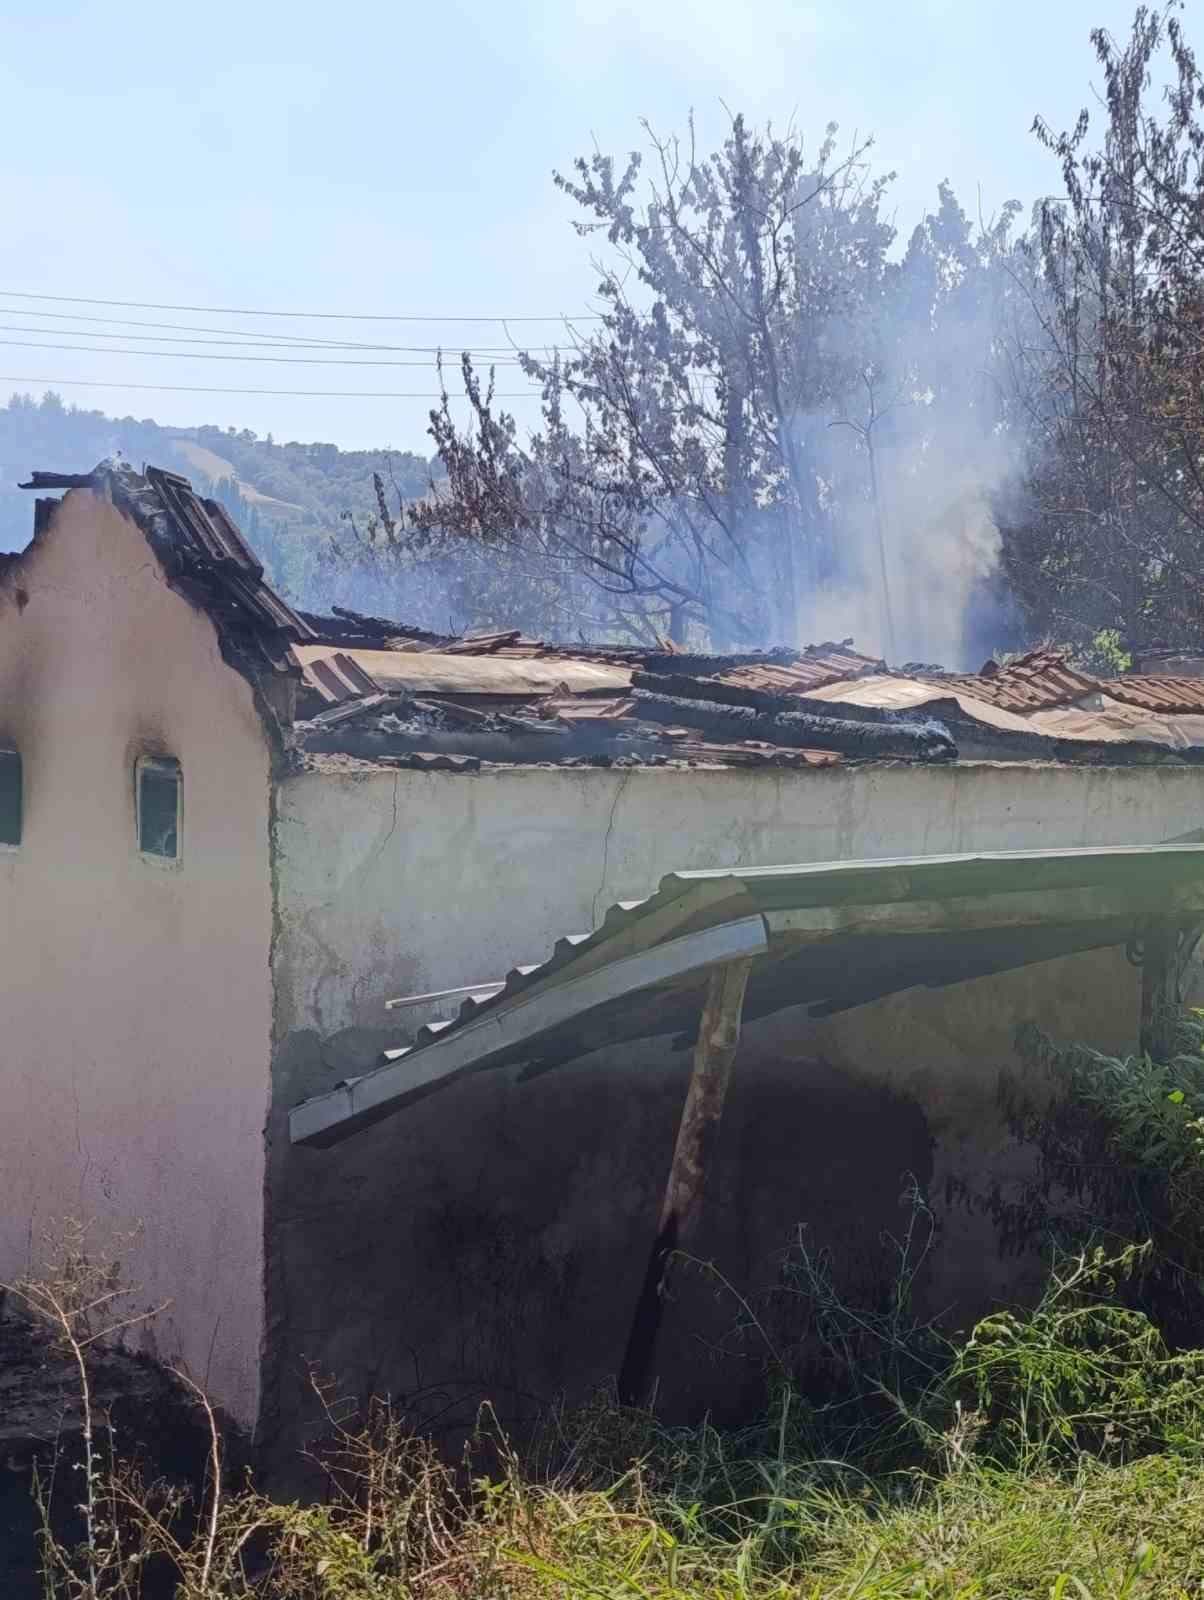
[{"x": 680, "y": 462}]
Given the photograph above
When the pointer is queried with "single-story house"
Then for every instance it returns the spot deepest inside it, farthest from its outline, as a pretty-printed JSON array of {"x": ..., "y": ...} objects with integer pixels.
[{"x": 232, "y": 833}]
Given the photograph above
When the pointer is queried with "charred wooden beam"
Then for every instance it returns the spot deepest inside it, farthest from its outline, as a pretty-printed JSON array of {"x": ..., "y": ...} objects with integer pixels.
[
  {"x": 773, "y": 702},
  {"x": 800, "y": 730},
  {"x": 43, "y": 512},
  {"x": 697, "y": 1135},
  {"x": 59, "y": 480},
  {"x": 685, "y": 663}
]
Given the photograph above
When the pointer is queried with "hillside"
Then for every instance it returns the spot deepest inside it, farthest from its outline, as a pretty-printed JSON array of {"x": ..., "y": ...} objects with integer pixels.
[{"x": 291, "y": 499}]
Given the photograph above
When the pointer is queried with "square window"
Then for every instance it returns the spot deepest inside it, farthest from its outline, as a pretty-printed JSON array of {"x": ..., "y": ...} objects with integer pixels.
[
  {"x": 10, "y": 797},
  {"x": 159, "y": 806}
]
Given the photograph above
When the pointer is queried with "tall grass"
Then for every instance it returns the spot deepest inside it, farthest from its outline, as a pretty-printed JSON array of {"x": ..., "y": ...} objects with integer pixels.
[{"x": 1055, "y": 1453}]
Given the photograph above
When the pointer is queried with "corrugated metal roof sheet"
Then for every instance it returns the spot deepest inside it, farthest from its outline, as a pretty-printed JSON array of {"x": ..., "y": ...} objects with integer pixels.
[{"x": 822, "y": 921}]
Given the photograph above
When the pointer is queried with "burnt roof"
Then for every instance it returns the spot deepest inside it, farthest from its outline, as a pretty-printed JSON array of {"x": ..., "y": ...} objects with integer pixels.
[
  {"x": 374, "y": 688},
  {"x": 504, "y": 697},
  {"x": 204, "y": 557},
  {"x": 1035, "y": 682}
]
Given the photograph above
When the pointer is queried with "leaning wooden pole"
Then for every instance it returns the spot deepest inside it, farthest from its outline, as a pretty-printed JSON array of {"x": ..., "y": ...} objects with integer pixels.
[
  {"x": 718, "y": 1037},
  {"x": 1159, "y": 990}
]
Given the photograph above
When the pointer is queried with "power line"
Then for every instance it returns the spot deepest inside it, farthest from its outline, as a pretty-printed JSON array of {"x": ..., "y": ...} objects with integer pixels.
[
  {"x": 288, "y": 340},
  {"x": 201, "y": 355},
  {"x": 237, "y": 344},
  {"x": 242, "y": 311},
  {"x": 188, "y": 388}
]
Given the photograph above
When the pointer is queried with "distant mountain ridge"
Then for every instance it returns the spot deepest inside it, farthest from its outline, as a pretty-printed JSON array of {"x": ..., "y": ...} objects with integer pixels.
[{"x": 290, "y": 499}]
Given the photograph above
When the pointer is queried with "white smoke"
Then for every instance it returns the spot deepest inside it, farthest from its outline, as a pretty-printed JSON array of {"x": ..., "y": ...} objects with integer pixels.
[{"x": 941, "y": 547}]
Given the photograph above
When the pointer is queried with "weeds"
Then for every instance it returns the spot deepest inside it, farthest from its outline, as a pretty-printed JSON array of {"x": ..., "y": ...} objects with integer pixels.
[
  {"x": 1055, "y": 1453},
  {"x": 1082, "y": 1373},
  {"x": 1069, "y": 1467},
  {"x": 82, "y": 1303}
]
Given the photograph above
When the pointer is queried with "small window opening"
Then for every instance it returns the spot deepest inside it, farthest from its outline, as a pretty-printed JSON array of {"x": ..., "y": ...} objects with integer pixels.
[
  {"x": 159, "y": 806},
  {"x": 10, "y": 797}
]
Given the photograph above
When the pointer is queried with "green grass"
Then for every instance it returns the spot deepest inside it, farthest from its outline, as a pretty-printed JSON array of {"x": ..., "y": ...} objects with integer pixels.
[
  {"x": 1103, "y": 1533},
  {"x": 1055, "y": 1454}
]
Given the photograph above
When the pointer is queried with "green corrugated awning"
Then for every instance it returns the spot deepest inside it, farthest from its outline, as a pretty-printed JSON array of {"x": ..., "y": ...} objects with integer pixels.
[{"x": 827, "y": 936}]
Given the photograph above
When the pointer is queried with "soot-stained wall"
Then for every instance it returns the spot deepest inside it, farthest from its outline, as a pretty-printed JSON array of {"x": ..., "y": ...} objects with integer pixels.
[{"x": 490, "y": 1240}]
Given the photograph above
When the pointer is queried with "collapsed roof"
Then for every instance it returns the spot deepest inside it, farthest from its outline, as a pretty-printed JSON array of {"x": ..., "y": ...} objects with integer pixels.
[
  {"x": 379, "y": 691},
  {"x": 370, "y": 688},
  {"x": 373, "y": 690}
]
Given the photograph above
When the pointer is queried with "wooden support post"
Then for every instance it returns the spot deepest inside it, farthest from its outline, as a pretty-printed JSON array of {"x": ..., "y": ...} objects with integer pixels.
[
  {"x": 1158, "y": 984},
  {"x": 718, "y": 1037}
]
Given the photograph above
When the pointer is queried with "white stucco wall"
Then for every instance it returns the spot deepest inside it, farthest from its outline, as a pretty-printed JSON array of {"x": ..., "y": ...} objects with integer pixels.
[
  {"x": 135, "y": 994},
  {"x": 397, "y": 882}
]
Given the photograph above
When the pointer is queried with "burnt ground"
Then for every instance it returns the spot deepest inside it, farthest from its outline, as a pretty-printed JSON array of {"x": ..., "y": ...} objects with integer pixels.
[{"x": 40, "y": 1430}]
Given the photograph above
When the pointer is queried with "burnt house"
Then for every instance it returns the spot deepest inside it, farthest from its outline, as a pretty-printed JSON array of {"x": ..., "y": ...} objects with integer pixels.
[{"x": 314, "y": 932}]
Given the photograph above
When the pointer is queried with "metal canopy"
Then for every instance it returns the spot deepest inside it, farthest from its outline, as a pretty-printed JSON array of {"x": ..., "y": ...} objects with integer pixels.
[{"x": 827, "y": 936}]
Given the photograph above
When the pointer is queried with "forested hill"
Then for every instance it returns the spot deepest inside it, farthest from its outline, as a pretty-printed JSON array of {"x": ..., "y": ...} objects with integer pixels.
[{"x": 290, "y": 499}]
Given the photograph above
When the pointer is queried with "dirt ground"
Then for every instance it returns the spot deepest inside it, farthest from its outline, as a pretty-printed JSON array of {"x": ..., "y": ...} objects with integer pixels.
[{"x": 40, "y": 1430}]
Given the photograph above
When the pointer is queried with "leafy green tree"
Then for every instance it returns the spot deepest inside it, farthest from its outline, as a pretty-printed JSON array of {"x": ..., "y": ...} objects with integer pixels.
[{"x": 1105, "y": 536}]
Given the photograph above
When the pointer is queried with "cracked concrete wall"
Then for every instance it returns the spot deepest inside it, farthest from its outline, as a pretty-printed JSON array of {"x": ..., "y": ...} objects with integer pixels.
[
  {"x": 491, "y": 1239},
  {"x": 135, "y": 992}
]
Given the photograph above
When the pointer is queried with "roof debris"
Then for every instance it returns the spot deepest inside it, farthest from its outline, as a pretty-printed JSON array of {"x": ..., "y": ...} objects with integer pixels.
[
  {"x": 374, "y": 689},
  {"x": 203, "y": 555},
  {"x": 500, "y": 695}
]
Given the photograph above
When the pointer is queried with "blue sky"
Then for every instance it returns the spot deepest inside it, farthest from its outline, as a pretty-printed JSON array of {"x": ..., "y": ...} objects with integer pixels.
[{"x": 397, "y": 159}]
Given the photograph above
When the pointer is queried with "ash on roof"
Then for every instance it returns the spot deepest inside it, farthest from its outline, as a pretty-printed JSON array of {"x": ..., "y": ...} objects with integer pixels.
[{"x": 377, "y": 689}]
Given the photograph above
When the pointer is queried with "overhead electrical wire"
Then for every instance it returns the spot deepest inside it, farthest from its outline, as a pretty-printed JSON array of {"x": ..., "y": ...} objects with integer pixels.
[
  {"x": 236, "y": 344},
  {"x": 317, "y": 316},
  {"x": 189, "y": 388},
  {"x": 201, "y": 355},
  {"x": 285, "y": 340}
]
